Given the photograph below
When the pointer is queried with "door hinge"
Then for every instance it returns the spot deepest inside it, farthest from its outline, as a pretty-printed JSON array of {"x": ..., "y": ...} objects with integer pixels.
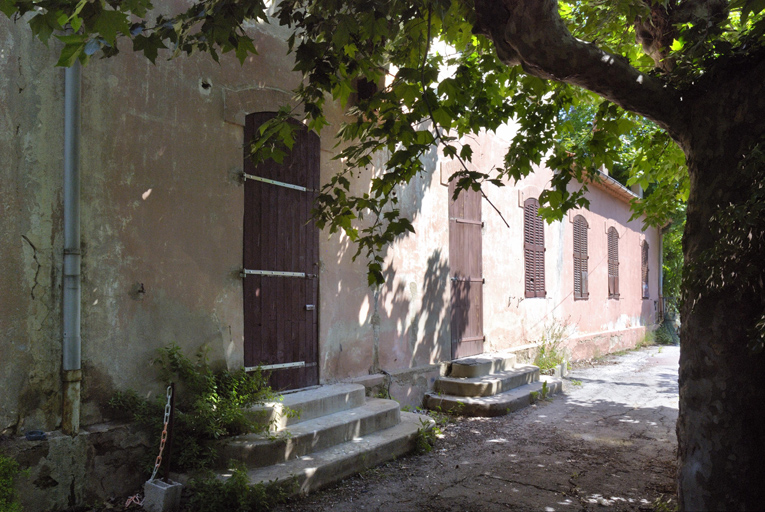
[
  {"x": 275, "y": 182},
  {"x": 275, "y": 273}
]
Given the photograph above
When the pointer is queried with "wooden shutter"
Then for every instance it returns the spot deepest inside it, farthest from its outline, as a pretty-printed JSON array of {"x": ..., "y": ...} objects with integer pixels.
[
  {"x": 533, "y": 249},
  {"x": 580, "y": 258},
  {"x": 644, "y": 273},
  {"x": 613, "y": 264}
]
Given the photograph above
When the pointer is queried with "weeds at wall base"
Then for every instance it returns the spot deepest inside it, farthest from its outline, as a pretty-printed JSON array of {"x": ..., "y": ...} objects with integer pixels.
[
  {"x": 551, "y": 354},
  {"x": 208, "y": 405},
  {"x": 9, "y": 472},
  {"x": 235, "y": 494}
]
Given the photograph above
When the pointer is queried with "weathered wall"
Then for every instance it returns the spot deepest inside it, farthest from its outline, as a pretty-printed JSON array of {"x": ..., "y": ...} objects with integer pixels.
[
  {"x": 162, "y": 237},
  {"x": 63, "y": 471},
  {"x": 511, "y": 319},
  {"x": 31, "y": 120},
  {"x": 161, "y": 217}
]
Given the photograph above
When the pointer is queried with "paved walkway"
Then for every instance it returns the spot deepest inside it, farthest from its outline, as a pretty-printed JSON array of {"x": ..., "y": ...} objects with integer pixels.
[{"x": 608, "y": 443}]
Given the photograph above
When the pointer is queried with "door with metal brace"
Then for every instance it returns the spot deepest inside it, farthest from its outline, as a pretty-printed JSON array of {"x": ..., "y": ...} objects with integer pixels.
[
  {"x": 466, "y": 272},
  {"x": 281, "y": 261}
]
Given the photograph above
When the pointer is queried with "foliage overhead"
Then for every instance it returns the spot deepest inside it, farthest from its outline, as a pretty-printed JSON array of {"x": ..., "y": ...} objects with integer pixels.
[{"x": 437, "y": 79}]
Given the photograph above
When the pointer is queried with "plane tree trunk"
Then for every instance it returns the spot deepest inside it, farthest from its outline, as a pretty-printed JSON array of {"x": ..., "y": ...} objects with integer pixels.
[
  {"x": 721, "y": 426},
  {"x": 718, "y": 122}
]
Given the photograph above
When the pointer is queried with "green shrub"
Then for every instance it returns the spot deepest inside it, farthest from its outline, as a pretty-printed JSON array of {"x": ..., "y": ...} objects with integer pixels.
[
  {"x": 664, "y": 335},
  {"x": 208, "y": 405},
  {"x": 550, "y": 353},
  {"x": 234, "y": 494},
  {"x": 426, "y": 437},
  {"x": 9, "y": 471}
]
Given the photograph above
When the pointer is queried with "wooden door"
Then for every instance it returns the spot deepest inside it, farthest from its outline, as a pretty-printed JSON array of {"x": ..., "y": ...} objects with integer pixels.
[
  {"x": 281, "y": 262},
  {"x": 466, "y": 274}
]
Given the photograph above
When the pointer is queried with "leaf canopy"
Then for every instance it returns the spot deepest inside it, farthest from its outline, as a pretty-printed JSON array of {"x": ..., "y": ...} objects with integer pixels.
[{"x": 429, "y": 78}]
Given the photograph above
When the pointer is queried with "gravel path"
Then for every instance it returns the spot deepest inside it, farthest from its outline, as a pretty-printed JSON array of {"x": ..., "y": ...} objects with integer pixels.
[{"x": 607, "y": 443}]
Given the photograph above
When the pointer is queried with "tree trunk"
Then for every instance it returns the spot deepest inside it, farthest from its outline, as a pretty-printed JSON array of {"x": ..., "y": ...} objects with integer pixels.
[{"x": 721, "y": 426}]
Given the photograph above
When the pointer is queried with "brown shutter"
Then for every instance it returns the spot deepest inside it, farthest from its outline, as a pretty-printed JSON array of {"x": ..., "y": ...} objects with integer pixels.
[
  {"x": 580, "y": 258},
  {"x": 644, "y": 273},
  {"x": 533, "y": 249},
  {"x": 613, "y": 264}
]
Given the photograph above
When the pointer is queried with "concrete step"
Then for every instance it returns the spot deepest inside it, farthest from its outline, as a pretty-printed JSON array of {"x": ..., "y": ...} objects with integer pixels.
[
  {"x": 331, "y": 465},
  {"x": 487, "y": 385},
  {"x": 308, "y": 405},
  {"x": 496, "y": 405},
  {"x": 484, "y": 364},
  {"x": 258, "y": 450}
]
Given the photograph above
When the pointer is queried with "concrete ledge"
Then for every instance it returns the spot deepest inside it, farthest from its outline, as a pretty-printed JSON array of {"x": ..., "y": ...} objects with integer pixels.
[
  {"x": 488, "y": 384},
  {"x": 497, "y": 405},
  {"x": 478, "y": 366},
  {"x": 597, "y": 344},
  {"x": 320, "y": 469},
  {"x": 258, "y": 451},
  {"x": 309, "y": 405}
]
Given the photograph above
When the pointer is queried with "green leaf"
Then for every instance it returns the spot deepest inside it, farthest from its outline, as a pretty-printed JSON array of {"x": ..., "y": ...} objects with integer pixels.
[
  {"x": 8, "y": 7},
  {"x": 150, "y": 46},
  {"x": 70, "y": 53},
  {"x": 43, "y": 25},
  {"x": 109, "y": 23}
]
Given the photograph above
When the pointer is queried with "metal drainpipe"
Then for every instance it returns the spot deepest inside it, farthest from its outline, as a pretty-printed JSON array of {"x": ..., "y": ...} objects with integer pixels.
[{"x": 71, "y": 374}]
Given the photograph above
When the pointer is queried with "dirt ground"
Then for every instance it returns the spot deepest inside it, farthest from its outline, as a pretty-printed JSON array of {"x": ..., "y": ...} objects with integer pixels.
[{"x": 608, "y": 443}]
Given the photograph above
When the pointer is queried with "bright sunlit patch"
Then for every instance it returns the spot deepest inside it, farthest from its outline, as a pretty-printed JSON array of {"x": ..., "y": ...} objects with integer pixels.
[
  {"x": 364, "y": 310},
  {"x": 146, "y": 195}
]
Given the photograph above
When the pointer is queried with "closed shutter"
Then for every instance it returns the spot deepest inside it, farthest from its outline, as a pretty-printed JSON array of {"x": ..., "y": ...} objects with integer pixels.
[
  {"x": 644, "y": 273},
  {"x": 533, "y": 249},
  {"x": 613, "y": 264},
  {"x": 580, "y": 258}
]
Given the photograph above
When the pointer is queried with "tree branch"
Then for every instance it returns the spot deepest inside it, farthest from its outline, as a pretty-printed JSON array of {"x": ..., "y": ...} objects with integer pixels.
[{"x": 532, "y": 34}]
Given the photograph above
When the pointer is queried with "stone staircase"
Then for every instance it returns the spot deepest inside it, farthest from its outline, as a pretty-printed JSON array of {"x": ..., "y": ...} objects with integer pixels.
[
  {"x": 489, "y": 385},
  {"x": 337, "y": 432}
]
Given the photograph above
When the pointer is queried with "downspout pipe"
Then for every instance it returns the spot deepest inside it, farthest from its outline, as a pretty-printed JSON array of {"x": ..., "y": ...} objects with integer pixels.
[{"x": 71, "y": 374}]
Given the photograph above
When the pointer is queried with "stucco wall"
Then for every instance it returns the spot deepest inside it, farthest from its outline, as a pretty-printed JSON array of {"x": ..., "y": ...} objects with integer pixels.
[
  {"x": 31, "y": 117},
  {"x": 511, "y": 319},
  {"x": 162, "y": 236},
  {"x": 161, "y": 218}
]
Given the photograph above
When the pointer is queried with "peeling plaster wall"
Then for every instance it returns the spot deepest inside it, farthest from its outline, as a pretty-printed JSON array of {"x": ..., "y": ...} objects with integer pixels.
[
  {"x": 31, "y": 119},
  {"x": 162, "y": 236},
  {"x": 405, "y": 324},
  {"x": 511, "y": 319},
  {"x": 162, "y": 208}
]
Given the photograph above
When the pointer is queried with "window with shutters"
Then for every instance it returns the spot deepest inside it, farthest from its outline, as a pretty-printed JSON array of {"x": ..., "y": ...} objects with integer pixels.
[
  {"x": 613, "y": 263},
  {"x": 581, "y": 289},
  {"x": 533, "y": 249},
  {"x": 644, "y": 273}
]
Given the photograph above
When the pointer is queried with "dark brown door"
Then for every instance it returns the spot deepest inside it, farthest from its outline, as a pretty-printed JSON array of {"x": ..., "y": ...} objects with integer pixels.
[
  {"x": 466, "y": 275},
  {"x": 281, "y": 262}
]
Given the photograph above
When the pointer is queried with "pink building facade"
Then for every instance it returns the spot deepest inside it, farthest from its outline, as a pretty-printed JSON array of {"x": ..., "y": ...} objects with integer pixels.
[{"x": 163, "y": 204}]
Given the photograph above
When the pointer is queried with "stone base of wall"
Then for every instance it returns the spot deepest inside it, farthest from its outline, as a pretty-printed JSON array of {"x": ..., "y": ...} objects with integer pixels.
[
  {"x": 103, "y": 461},
  {"x": 592, "y": 346},
  {"x": 407, "y": 386}
]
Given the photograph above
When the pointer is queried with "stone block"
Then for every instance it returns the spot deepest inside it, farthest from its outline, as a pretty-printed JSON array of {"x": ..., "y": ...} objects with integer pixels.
[{"x": 161, "y": 496}]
